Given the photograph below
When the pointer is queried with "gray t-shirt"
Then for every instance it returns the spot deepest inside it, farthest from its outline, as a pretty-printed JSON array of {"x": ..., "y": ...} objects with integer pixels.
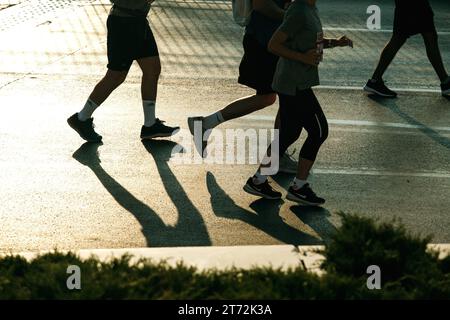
[
  {"x": 130, "y": 8},
  {"x": 304, "y": 29}
]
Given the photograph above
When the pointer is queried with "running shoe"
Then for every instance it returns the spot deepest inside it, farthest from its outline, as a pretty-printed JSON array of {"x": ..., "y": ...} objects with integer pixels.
[
  {"x": 304, "y": 195},
  {"x": 378, "y": 87},
  {"x": 158, "y": 130},
  {"x": 84, "y": 128},
  {"x": 199, "y": 142},
  {"x": 262, "y": 190}
]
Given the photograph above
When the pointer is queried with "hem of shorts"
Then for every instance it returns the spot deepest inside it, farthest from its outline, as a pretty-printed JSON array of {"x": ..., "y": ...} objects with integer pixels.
[{"x": 255, "y": 86}]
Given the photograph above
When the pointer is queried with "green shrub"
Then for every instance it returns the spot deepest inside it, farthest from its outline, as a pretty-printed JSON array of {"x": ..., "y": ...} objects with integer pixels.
[{"x": 408, "y": 271}]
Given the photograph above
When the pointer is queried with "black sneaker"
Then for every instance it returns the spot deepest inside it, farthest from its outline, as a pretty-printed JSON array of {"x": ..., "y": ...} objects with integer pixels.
[
  {"x": 84, "y": 128},
  {"x": 263, "y": 190},
  {"x": 379, "y": 88},
  {"x": 304, "y": 195},
  {"x": 158, "y": 130},
  {"x": 445, "y": 88},
  {"x": 199, "y": 143}
]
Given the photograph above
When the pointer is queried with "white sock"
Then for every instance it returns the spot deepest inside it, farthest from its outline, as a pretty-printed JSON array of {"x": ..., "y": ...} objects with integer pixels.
[
  {"x": 87, "y": 111},
  {"x": 297, "y": 183},
  {"x": 213, "y": 120},
  {"x": 149, "y": 112},
  {"x": 258, "y": 178}
]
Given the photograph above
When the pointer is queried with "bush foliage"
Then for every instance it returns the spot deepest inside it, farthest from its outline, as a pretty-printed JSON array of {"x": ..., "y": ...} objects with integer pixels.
[{"x": 408, "y": 271}]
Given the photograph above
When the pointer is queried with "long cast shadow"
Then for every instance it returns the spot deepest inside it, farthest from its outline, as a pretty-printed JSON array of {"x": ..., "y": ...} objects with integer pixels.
[
  {"x": 317, "y": 218},
  {"x": 155, "y": 231},
  {"x": 392, "y": 106},
  {"x": 266, "y": 219},
  {"x": 190, "y": 226}
]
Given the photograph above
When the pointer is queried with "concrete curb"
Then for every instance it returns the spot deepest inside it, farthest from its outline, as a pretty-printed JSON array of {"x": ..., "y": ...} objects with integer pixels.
[{"x": 223, "y": 258}]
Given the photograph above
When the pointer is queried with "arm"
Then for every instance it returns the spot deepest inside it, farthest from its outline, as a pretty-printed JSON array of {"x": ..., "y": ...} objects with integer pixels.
[
  {"x": 339, "y": 42},
  {"x": 277, "y": 46},
  {"x": 269, "y": 9}
]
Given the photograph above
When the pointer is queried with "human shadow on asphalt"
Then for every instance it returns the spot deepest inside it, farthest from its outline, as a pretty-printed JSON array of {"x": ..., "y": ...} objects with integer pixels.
[
  {"x": 391, "y": 104},
  {"x": 265, "y": 218},
  {"x": 317, "y": 218},
  {"x": 190, "y": 227},
  {"x": 155, "y": 231}
]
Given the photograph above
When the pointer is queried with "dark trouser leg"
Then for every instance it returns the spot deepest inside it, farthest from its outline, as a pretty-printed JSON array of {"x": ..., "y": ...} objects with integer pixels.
[
  {"x": 388, "y": 54},
  {"x": 315, "y": 123},
  {"x": 434, "y": 54}
]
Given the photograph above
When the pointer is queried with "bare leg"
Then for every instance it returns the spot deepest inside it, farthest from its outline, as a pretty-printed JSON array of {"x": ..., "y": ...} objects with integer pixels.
[
  {"x": 304, "y": 168},
  {"x": 387, "y": 55},
  {"x": 247, "y": 105},
  {"x": 434, "y": 54},
  {"x": 151, "y": 69},
  {"x": 107, "y": 85}
]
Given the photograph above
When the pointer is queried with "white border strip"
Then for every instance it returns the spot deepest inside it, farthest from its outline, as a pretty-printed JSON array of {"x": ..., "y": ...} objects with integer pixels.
[
  {"x": 372, "y": 172},
  {"x": 441, "y": 33},
  {"x": 354, "y": 88},
  {"x": 359, "y": 123}
]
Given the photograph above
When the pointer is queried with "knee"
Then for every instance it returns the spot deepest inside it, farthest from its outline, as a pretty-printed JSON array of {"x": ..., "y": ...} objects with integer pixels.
[
  {"x": 266, "y": 100},
  {"x": 319, "y": 136},
  {"x": 116, "y": 78},
  {"x": 324, "y": 135},
  {"x": 152, "y": 72}
]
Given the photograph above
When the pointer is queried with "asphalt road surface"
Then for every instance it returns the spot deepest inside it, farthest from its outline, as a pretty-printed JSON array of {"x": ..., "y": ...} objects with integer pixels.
[{"x": 383, "y": 158}]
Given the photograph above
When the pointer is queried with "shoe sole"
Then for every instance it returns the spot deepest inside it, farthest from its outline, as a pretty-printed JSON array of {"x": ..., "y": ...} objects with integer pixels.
[
  {"x": 204, "y": 144},
  {"x": 259, "y": 194},
  {"x": 294, "y": 198},
  {"x": 371, "y": 90},
  {"x": 191, "y": 126},
  {"x": 160, "y": 135},
  {"x": 81, "y": 135}
]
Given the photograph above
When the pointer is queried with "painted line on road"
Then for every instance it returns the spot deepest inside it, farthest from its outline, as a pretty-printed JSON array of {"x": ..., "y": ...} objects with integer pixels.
[
  {"x": 371, "y": 172},
  {"x": 441, "y": 33},
  {"x": 354, "y": 88},
  {"x": 360, "y": 123}
]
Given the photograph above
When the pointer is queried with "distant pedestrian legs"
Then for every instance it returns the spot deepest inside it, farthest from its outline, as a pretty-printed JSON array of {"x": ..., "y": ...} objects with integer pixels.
[{"x": 411, "y": 18}]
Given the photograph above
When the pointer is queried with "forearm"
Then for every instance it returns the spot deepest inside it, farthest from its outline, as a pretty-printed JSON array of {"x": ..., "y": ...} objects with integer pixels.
[
  {"x": 329, "y": 43},
  {"x": 269, "y": 9}
]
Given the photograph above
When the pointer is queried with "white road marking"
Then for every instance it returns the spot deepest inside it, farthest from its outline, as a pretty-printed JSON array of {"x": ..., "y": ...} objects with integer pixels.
[
  {"x": 372, "y": 172},
  {"x": 441, "y": 33},
  {"x": 354, "y": 88},
  {"x": 359, "y": 123}
]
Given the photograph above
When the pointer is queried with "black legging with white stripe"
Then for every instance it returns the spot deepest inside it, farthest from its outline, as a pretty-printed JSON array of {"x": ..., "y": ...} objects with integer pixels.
[{"x": 298, "y": 112}]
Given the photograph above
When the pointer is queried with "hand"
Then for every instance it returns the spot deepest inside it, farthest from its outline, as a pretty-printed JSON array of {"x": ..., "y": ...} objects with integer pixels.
[
  {"x": 343, "y": 42},
  {"x": 311, "y": 57}
]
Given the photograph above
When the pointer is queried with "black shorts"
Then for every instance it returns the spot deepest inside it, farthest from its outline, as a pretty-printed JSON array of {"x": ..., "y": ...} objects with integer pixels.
[
  {"x": 129, "y": 39},
  {"x": 257, "y": 67},
  {"x": 413, "y": 18}
]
